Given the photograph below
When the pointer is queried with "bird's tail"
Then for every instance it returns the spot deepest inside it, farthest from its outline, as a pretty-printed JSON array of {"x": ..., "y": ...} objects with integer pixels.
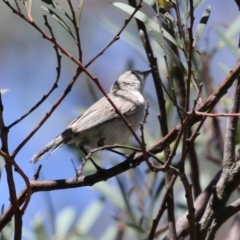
[{"x": 56, "y": 143}]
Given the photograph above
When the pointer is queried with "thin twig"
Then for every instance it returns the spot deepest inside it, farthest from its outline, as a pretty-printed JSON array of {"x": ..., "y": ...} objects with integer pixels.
[
  {"x": 55, "y": 84},
  {"x": 182, "y": 224},
  {"x": 214, "y": 115},
  {"x": 184, "y": 125},
  {"x": 19, "y": 9},
  {"x": 174, "y": 99},
  {"x": 230, "y": 174},
  {"x": 143, "y": 147},
  {"x": 106, "y": 147},
  {"x": 191, "y": 210},
  {"x": 117, "y": 36},
  {"x": 162, "y": 208},
  {"x": 161, "y": 102},
  {"x": 76, "y": 28},
  {"x": 82, "y": 68},
  {"x": 36, "y": 175},
  {"x": 189, "y": 55},
  {"x": 28, "y": 11},
  {"x": 124, "y": 166},
  {"x": 209, "y": 88},
  {"x": 10, "y": 180}
]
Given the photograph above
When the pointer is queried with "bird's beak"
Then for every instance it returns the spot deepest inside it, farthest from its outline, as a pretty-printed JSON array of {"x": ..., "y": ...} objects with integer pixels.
[{"x": 145, "y": 73}]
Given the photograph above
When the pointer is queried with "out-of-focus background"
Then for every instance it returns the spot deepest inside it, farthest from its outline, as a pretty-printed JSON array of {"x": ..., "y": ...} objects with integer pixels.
[{"x": 27, "y": 70}]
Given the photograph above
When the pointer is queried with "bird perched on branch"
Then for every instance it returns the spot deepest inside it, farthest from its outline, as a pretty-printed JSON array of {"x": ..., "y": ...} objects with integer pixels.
[{"x": 100, "y": 124}]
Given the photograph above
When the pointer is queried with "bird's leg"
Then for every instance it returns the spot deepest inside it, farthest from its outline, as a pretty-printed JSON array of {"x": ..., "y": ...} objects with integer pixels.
[
  {"x": 128, "y": 157},
  {"x": 85, "y": 160},
  {"x": 80, "y": 169}
]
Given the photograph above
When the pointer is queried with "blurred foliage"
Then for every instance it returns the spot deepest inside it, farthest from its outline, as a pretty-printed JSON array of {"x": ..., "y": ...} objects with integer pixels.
[{"x": 136, "y": 195}]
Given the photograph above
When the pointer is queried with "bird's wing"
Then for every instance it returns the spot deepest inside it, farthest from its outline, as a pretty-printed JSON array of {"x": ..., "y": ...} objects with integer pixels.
[{"x": 102, "y": 111}]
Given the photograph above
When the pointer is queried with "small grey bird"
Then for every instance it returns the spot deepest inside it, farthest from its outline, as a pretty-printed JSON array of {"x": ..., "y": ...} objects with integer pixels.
[{"x": 100, "y": 124}]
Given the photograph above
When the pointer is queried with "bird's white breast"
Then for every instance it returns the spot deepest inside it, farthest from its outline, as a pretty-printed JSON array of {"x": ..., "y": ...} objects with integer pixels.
[{"x": 114, "y": 131}]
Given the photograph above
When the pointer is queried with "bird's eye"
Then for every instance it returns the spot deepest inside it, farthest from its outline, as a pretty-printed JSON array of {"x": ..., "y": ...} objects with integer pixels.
[{"x": 133, "y": 72}]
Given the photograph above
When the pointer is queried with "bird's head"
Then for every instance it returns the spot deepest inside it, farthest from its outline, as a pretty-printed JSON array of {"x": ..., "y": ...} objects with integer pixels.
[{"x": 131, "y": 81}]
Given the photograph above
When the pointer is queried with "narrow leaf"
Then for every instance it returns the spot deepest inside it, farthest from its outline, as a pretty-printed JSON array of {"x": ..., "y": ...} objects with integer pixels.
[
  {"x": 48, "y": 1},
  {"x": 234, "y": 28},
  {"x": 57, "y": 7},
  {"x": 196, "y": 3},
  {"x": 126, "y": 199},
  {"x": 30, "y": 5},
  {"x": 186, "y": 13},
  {"x": 89, "y": 216},
  {"x": 166, "y": 15},
  {"x": 126, "y": 36},
  {"x": 227, "y": 42},
  {"x": 201, "y": 25},
  {"x": 58, "y": 19},
  {"x": 110, "y": 233},
  {"x": 149, "y": 2},
  {"x": 4, "y": 90},
  {"x": 1, "y": 166},
  {"x": 173, "y": 57},
  {"x": 111, "y": 193},
  {"x": 64, "y": 221},
  {"x": 225, "y": 68},
  {"x": 39, "y": 228},
  {"x": 2, "y": 209},
  {"x": 80, "y": 8},
  {"x": 144, "y": 18}
]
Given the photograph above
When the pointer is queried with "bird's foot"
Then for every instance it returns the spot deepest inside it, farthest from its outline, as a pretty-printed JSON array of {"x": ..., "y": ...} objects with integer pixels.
[{"x": 130, "y": 158}]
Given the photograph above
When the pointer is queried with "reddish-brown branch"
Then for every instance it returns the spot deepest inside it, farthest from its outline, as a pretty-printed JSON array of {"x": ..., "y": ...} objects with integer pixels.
[
  {"x": 162, "y": 208},
  {"x": 55, "y": 84},
  {"x": 214, "y": 115},
  {"x": 10, "y": 178},
  {"x": 81, "y": 68},
  {"x": 76, "y": 28}
]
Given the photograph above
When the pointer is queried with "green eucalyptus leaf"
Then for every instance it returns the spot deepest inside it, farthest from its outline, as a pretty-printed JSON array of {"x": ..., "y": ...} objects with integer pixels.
[
  {"x": 80, "y": 8},
  {"x": 196, "y": 3},
  {"x": 4, "y": 90},
  {"x": 125, "y": 195},
  {"x": 224, "y": 67},
  {"x": 169, "y": 52},
  {"x": 64, "y": 221},
  {"x": 227, "y": 41},
  {"x": 27, "y": 234},
  {"x": 89, "y": 216},
  {"x": 58, "y": 19},
  {"x": 234, "y": 28},
  {"x": 2, "y": 209},
  {"x": 144, "y": 18},
  {"x": 40, "y": 232},
  {"x": 201, "y": 25},
  {"x": 110, "y": 233},
  {"x": 111, "y": 193},
  {"x": 131, "y": 39},
  {"x": 48, "y": 1},
  {"x": 186, "y": 13},
  {"x": 30, "y": 5},
  {"x": 57, "y": 7},
  {"x": 166, "y": 15},
  {"x": 159, "y": 187},
  {"x": 1, "y": 166},
  {"x": 150, "y": 2},
  {"x": 130, "y": 224}
]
